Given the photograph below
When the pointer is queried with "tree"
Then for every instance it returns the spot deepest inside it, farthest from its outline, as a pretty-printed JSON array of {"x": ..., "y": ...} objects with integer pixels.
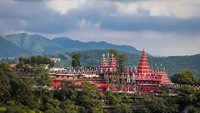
[
  {"x": 121, "y": 63},
  {"x": 36, "y": 60},
  {"x": 122, "y": 108},
  {"x": 192, "y": 109},
  {"x": 89, "y": 98},
  {"x": 118, "y": 101},
  {"x": 5, "y": 73},
  {"x": 113, "y": 98},
  {"x": 4, "y": 88},
  {"x": 68, "y": 91},
  {"x": 70, "y": 107},
  {"x": 187, "y": 96},
  {"x": 42, "y": 79},
  {"x": 21, "y": 90},
  {"x": 154, "y": 104},
  {"x": 76, "y": 60},
  {"x": 185, "y": 77}
]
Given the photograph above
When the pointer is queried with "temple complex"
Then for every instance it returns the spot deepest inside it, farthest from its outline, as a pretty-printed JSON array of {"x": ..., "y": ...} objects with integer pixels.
[{"x": 105, "y": 76}]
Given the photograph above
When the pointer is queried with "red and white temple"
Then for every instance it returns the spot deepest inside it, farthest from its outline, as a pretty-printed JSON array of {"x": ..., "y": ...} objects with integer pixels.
[
  {"x": 134, "y": 79},
  {"x": 147, "y": 79}
]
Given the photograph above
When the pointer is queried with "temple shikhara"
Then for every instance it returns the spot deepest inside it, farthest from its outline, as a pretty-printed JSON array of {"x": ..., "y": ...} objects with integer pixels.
[{"x": 106, "y": 76}]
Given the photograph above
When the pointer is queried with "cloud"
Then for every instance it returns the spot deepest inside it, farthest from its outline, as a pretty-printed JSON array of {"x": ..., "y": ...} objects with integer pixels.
[
  {"x": 86, "y": 24},
  {"x": 156, "y": 43},
  {"x": 57, "y": 16},
  {"x": 140, "y": 23},
  {"x": 146, "y": 22},
  {"x": 168, "y": 8},
  {"x": 64, "y": 6}
]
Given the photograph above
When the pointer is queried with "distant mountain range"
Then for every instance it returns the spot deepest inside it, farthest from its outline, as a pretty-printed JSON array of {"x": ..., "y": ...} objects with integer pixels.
[{"x": 24, "y": 44}]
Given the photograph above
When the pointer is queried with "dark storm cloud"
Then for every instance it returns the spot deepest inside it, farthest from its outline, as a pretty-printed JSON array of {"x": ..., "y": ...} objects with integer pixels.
[
  {"x": 29, "y": 0},
  {"x": 162, "y": 24},
  {"x": 122, "y": 22},
  {"x": 40, "y": 19}
]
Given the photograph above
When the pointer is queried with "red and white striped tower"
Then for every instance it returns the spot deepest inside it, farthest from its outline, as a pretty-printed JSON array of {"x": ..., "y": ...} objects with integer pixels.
[
  {"x": 103, "y": 65},
  {"x": 113, "y": 64}
]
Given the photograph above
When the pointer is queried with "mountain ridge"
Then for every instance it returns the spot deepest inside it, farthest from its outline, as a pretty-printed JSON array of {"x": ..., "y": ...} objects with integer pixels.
[
  {"x": 38, "y": 44},
  {"x": 9, "y": 49},
  {"x": 91, "y": 45}
]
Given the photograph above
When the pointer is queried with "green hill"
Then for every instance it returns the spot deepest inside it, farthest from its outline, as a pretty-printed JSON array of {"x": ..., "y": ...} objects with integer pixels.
[
  {"x": 75, "y": 45},
  {"x": 175, "y": 64},
  {"x": 9, "y": 49},
  {"x": 35, "y": 44}
]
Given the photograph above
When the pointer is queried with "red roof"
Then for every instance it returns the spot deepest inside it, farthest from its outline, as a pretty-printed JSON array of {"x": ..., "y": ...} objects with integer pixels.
[
  {"x": 103, "y": 86},
  {"x": 13, "y": 65}
]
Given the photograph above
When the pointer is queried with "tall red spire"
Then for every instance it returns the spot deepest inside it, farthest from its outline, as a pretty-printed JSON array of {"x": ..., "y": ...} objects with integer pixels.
[{"x": 143, "y": 65}]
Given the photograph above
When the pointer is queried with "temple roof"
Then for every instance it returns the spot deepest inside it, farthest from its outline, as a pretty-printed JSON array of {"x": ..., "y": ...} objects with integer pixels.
[
  {"x": 104, "y": 62},
  {"x": 113, "y": 62},
  {"x": 143, "y": 65}
]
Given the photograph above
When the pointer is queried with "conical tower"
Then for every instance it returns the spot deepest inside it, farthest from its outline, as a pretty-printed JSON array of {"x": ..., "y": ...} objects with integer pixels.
[
  {"x": 165, "y": 79},
  {"x": 143, "y": 66},
  {"x": 104, "y": 62},
  {"x": 113, "y": 62}
]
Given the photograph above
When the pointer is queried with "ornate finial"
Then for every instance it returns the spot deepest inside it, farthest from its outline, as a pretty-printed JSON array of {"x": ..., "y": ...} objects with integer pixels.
[
  {"x": 103, "y": 55},
  {"x": 112, "y": 55},
  {"x": 143, "y": 50}
]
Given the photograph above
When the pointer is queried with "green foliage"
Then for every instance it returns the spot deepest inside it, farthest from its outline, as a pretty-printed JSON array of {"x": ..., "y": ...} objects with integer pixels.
[
  {"x": 118, "y": 101},
  {"x": 32, "y": 44},
  {"x": 8, "y": 49},
  {"x": 113, "y": 98},
  {"x": 23, "y": 94},
  {"x": 121, "y": 63},
  {"x": 112, "y": 52},
  {"x": 122, "y": 108},
  {"x": 187, "y": 97},
  {"x": 160, "y": 105},
  {"x": 70, "y": 107},
  {"x": 76, "y": 60},
  {"x": 89, "y": 98},
  {"x": 185, "y": 77},
  {"x": 2, "y": 109},
  {"x": 176, "y": 64},
  {"x": 36, "y": 60},
  {"x": 192, "y": 109},
  {"x": 154, "y": 104}
]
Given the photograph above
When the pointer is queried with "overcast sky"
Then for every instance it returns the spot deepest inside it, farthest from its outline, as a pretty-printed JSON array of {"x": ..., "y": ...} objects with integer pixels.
[{"x": 162, "y": 27}]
